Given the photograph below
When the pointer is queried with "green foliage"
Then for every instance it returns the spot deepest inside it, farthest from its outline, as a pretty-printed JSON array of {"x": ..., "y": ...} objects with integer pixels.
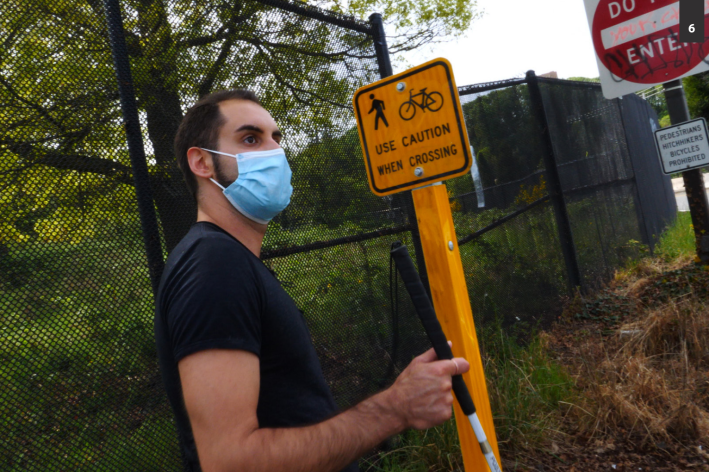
[
  {"x": 696, "y": 88},
  {"x": 608, "y": 307},
  {"x": 527, "y": 390},
  {"x": 601, "y": 227},
  {"x": 434, "y": 20},
  {"x": 659, "y": 104},
  {"x": 514, "y": 271},
  {"x": 432, "y": 450},
  {"x": 85, "y": 379},
  {"x": 344, "y": 294},
  {"x": 329, "y": 174},
  {"x": 678, "y": 239},
  {"x": 505, "y": 137},
  {"x": 63, "y": 154},
  {"x": 596, "y": 80},
  {"x": 526, "y": 387}
]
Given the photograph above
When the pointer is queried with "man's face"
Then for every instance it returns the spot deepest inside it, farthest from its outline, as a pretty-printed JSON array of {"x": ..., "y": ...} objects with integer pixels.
[{"x": 248, "y": 127}]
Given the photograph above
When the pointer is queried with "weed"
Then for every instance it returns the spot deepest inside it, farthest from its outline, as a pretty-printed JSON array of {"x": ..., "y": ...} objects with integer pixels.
[
  {"x": 528, "y": 392},
  {"x": 677, "y": 242}
]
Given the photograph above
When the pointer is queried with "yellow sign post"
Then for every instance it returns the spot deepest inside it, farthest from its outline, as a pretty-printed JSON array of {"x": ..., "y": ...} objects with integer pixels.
[{"x": 413, "y": 135}]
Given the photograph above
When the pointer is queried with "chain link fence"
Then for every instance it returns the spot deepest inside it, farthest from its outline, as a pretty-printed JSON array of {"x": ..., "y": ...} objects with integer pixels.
[
  {"x": 81, "y": 386},
  {"x": 518, "y": 259},
  {"x": 78, "y": 364},
  {"x": 508, "y": 236}
]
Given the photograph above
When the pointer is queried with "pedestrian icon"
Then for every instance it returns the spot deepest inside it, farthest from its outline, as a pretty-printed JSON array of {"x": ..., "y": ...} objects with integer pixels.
[{"x": 378, "y": 106}]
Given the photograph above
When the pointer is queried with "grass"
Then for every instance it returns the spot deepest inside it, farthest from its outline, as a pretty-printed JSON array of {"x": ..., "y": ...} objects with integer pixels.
[
  {"x": 635, "y": 364},
  {"x": 677, "y": 242},
  {"x": 432, "y": 450},
  {"x": 643, "y": 371},
  {"x": 80, "y": 376},
  {"x": 528, "y": 391},
  {"x": 80, "y": 380}
]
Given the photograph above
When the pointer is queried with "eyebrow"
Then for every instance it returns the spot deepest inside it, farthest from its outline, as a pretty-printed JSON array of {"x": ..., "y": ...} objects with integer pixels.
[{"x": 257, "y": 129}]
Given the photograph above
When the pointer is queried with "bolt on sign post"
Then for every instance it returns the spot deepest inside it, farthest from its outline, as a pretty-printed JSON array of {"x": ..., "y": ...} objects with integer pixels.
[
  {"x": 643, "y": 43},
  {"x": 413, "y": 137}
]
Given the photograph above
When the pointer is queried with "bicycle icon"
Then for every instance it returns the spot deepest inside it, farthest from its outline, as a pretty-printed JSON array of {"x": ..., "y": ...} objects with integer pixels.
[{"x": 429, "y": 101}]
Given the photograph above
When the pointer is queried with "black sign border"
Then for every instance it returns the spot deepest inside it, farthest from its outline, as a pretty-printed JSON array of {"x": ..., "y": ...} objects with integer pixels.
[
  {"x": 659, "y": 153},
  {"x": 459, "y": 120}
]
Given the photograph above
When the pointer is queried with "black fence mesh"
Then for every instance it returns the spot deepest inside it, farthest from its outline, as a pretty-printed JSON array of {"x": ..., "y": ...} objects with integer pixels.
[
  {"x": 77, "y": 359},
  {"x": 81, "y": 388},
  {"x": 510, "y": 251},
  {"x": 506, "y": 223},
  {"x": 598, "y": 174}
]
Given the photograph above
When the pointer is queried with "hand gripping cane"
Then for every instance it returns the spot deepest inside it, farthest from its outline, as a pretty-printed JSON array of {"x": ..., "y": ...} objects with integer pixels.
[{"x": 425, "y": 311}]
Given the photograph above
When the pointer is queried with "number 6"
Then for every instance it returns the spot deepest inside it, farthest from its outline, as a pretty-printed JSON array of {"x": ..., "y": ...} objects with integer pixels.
[{"x": 691, "y": 28}]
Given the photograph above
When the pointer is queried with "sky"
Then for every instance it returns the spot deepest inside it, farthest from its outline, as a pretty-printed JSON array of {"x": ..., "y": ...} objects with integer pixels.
[{"x": 514, "y": 36}]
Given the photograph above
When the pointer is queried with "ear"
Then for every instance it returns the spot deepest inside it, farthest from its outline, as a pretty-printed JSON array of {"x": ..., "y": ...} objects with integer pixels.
[{"x": 200, "y": 162}]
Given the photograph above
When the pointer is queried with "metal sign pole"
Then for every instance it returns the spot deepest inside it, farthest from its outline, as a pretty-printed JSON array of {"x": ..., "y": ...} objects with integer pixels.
[{"x": 693, "y": 179}]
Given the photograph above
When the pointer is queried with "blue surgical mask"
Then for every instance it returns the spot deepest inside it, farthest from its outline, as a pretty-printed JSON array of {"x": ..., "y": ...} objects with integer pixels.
[{"x": 262, "y": 190}]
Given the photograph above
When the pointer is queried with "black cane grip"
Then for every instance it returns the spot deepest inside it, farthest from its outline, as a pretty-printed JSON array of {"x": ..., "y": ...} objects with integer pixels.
[{"x": 427, "y": 315}]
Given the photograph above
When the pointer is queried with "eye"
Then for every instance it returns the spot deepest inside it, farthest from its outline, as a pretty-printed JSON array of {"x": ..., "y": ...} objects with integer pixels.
[{"x": 250, "y": 139}]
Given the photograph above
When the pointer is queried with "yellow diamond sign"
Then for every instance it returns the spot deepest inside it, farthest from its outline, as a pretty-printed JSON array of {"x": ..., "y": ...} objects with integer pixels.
[{"x": 411, "y": 129}]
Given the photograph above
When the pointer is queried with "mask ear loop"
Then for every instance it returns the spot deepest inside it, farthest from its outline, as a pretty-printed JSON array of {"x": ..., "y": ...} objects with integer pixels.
[
  {"x": 217, "y": 152},
  {"x": 218, "y": 184}
]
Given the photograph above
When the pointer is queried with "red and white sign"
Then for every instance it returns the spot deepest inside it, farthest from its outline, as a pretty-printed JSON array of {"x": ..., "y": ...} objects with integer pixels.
[{"x": 637, "y": 44}]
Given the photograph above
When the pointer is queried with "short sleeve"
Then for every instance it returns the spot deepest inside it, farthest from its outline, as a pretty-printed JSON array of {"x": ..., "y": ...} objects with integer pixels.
[{"x": 213, "y": 300}]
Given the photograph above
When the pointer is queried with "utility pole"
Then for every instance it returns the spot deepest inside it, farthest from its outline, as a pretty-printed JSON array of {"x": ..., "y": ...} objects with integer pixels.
[{"x": 693, "y": 179}]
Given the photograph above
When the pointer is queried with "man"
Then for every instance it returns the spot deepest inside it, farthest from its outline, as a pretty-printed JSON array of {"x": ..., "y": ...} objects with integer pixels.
[{"x": 236, "y": 356}]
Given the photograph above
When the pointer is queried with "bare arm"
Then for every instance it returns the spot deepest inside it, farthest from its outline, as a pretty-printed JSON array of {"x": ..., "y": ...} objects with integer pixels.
[{"x": 221, "y": 389}]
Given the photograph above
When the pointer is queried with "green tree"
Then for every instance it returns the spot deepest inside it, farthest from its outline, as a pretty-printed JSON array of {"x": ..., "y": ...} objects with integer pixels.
[
  {"x": 696, "y": 88},
  {"x": 586, "y": 79},
  {"x": 333, "y": 185},
  {"x": 62, "y": 145},
  {"x": 504, "y": 135}
]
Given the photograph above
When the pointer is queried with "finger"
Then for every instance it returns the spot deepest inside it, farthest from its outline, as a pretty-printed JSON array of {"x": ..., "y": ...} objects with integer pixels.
[
  {"x": 428, "y": 356},
  {"x": 447, "y": 367},
  {"x": 455, "y": 366},
  {"x": 450, "y": 343},
  {"x": 463, "y": 365}
]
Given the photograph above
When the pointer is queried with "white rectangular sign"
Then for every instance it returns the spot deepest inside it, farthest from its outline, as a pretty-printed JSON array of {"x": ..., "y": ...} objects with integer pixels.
[{"x": 684, "y": 146}]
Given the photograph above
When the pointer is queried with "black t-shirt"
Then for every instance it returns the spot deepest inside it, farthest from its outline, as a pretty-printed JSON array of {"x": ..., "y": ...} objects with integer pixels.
[{"x": 216, "y": 294}]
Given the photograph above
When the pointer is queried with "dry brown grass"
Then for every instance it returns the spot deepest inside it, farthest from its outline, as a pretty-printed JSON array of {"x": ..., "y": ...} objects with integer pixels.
[{"x": 650, "y": 379}]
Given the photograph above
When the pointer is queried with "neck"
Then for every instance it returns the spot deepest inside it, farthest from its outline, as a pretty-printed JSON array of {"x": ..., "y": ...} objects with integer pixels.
[{"x": 223, "y": 214}]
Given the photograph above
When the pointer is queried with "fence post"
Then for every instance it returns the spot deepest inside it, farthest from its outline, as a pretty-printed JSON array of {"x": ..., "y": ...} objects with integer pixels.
[
  {"x": 555, "y": 192},
  {"x": 134, "y": 137},
  {"x": 385, "y": 70}
]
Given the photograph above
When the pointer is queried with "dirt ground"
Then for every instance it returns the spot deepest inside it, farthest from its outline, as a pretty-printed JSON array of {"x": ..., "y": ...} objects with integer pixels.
[{"x": 639, "y": 353}]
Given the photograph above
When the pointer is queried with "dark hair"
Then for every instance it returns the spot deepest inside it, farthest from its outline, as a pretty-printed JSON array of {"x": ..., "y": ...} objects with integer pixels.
[{"x": 200, "y": 127}]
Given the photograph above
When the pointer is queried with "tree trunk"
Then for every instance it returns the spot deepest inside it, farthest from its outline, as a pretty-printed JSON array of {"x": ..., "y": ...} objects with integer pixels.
[
  {"x": 161, "y": 102},
  {"x": 176, "y": 207}
]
